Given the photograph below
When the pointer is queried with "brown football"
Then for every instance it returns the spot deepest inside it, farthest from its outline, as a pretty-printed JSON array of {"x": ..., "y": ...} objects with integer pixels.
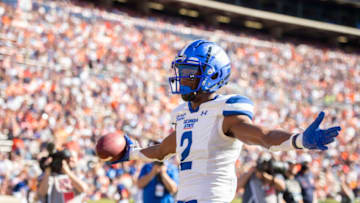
[{"x": 110, "y": 147}]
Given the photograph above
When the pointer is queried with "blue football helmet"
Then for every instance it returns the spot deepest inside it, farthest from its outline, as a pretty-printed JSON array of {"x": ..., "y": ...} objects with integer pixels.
[{"x": 204, "y": 60}]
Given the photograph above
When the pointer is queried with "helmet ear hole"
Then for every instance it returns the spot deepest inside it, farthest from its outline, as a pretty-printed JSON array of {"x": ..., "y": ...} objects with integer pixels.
[{"x": 215, "y": 76}]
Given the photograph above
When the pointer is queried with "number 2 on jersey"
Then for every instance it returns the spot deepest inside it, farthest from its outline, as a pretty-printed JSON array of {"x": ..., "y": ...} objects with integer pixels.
[{"x": 187, "y": 164}]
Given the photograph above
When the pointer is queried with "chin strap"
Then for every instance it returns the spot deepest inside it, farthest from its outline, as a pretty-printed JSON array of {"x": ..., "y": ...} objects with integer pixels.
[{"x": 189, "y": 97}]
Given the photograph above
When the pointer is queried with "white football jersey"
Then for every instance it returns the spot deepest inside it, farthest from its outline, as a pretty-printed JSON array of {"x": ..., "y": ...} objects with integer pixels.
[{"x": 207, "y": 155}]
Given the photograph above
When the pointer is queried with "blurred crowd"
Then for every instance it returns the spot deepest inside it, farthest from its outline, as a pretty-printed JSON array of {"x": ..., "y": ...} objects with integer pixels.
[{"x": 70, "y": 73}]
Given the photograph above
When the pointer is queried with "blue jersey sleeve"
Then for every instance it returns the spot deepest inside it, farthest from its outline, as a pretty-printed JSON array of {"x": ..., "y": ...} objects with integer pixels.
[{"x": 239, "y": 105}]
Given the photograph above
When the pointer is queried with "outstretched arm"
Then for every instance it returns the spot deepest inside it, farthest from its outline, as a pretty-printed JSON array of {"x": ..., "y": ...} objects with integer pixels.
[
  {"x": 242, "y": 128},
  {"x": 154, "y": 153},
  {"x": 160, "y": 151},
  {"x": 313, "y": 137}
]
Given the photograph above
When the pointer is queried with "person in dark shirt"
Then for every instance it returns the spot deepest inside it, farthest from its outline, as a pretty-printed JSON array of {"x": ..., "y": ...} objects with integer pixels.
[
  {"x": 292, "y": 193},
  {"x": 59, "y": 183},
  {"x": 261, "y": 186},
  {"x": 306, "y": 179}
]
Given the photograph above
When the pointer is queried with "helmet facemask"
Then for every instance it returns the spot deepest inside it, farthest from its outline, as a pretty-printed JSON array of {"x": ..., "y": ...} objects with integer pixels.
[{"x": 187, "y": 80}]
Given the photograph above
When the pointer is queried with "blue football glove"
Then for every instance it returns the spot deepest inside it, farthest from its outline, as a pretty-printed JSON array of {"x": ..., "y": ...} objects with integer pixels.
[
  {"x": 126, "y": 156},
  {"x": 316, "y": 138}
]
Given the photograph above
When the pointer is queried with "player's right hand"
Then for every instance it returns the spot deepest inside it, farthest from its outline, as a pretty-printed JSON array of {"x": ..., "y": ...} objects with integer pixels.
[{"x": 126, "y": 156}]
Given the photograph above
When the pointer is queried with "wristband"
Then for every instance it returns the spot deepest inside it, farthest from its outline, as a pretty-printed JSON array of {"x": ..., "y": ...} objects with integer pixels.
[{"x": 296, "y": 141}]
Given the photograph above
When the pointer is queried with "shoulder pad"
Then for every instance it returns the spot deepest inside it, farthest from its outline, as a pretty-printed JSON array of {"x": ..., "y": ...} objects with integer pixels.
[{"x": 238, "y": 105}]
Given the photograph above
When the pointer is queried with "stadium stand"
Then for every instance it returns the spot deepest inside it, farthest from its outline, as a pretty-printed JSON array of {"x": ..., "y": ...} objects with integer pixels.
[{"x": 70, "y": 73}]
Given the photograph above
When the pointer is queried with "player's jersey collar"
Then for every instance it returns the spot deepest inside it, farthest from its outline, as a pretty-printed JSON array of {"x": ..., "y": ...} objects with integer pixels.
[{"x": 197, "y": 109}]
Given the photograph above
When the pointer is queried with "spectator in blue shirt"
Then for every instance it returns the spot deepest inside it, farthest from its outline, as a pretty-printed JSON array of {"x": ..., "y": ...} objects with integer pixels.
[{"x": 158, "y": 181}]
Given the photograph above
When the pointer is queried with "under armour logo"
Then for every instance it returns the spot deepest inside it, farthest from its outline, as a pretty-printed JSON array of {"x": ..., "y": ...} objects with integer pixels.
[{"x": 203, "y": 113}]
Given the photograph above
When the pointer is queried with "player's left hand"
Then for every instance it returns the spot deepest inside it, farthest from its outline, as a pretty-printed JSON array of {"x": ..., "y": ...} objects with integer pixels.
[{"x": 316, "y": 138}]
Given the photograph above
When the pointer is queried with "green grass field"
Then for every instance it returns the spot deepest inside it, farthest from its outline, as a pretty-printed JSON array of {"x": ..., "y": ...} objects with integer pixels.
[
  {"x": 102, "y": 201},
  {"x": 235, "y": 201},
  {"x": 111, "y": 201}
]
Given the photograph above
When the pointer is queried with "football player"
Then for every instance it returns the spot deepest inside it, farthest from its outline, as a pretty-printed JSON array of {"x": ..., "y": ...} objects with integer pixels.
[{"x": 210, "y": 129}]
